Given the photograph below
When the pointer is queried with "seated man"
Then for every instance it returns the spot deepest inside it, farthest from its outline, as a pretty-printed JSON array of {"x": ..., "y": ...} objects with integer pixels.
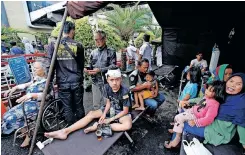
[
  {"x": 116, "y": 98},
  {"x": 199, "y": 62},
  {"x": 138, "y": 83}
]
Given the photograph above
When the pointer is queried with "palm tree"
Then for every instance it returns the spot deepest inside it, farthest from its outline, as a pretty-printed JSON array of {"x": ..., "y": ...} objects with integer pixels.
[{"x": 127, "y": 21}]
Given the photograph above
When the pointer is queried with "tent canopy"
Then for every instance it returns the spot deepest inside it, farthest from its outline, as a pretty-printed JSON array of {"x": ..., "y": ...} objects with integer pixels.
[{"x": 191, "y": 26}]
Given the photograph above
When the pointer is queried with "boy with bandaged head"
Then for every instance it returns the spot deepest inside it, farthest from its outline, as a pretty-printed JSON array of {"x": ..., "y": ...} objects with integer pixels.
[{"x": 115, "y": 112}]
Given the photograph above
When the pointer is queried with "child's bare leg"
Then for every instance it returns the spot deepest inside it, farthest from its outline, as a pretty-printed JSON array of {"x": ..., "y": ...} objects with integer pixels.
[
  {"x": 174, "y": 142},
  {"x": 136, "y": 100},
  {"x": 141, "y": 99}
]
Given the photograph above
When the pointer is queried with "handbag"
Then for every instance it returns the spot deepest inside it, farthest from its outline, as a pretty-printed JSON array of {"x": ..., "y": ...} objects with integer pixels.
[
  {"x": 105, "y": 129},
  {"x": 195, "y": 148}
]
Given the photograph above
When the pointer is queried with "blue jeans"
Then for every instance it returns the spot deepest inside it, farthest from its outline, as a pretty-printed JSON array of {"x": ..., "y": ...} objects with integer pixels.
[
  {"x": 153, "y": 103},
  {"x": 199, "y": 131}
]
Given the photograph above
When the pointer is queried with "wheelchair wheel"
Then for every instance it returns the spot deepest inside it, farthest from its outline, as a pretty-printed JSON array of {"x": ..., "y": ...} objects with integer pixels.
[{"x": 52, "y": 117}]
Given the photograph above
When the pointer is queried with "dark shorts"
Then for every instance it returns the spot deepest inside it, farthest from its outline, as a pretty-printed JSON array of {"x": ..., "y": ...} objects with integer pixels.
[{"x": 116, "y": 112}]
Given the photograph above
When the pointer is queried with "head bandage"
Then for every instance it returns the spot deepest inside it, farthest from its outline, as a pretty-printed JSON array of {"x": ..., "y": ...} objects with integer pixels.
[{"x": 113, "y": 73}]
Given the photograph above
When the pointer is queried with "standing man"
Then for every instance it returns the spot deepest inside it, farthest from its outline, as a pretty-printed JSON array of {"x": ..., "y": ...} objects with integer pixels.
[
  {"x": 28, "y": 46},
  {"x": 145, "y": 50},
  {"x": 101, "y": 59},
  {"x": 159, "y": 55},
  {"x": 69, "y": 73},
  {"x": 132, "y": 54},
  {"x": 137, "y": 83}
]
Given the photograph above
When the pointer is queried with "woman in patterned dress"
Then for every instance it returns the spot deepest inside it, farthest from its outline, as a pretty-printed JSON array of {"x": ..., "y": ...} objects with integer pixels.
[{"x": 14, "y": 118}]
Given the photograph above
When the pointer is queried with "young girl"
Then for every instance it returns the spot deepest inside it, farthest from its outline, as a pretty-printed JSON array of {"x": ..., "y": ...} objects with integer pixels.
[
  {"x": 151, "y": 93},
  {"x": 191, "y": 88},
  {"x": 202, "y": 114}
]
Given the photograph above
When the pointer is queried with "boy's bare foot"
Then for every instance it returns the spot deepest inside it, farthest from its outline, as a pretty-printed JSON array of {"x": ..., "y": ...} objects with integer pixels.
[
  {"x": 25, "y": 142},
  {"x": 170, "y": 130},
  {"x": 135, "y": 106},
  {"x": 60, "y": 134},
  {"x": 140, "y": 108},
  {"x": 91, "y": 128}
]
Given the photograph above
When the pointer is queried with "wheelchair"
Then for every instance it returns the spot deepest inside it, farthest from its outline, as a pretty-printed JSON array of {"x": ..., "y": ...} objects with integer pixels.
[{"x": 52, "y": 119}]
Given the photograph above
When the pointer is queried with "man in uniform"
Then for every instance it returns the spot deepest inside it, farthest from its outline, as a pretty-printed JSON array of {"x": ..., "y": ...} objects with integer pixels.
[{"x": 69, "y": 73}]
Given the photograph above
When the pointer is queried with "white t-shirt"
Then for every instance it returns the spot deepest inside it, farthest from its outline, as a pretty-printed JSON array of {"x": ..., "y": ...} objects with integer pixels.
[
  {"x": 131, "y": 52},
  {"x": 145, "y": 51},
  {"x": 201, "y": 64}
]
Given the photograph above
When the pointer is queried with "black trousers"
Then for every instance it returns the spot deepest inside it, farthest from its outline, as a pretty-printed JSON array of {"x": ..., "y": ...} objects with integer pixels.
[{"x": 71, "y": 95}]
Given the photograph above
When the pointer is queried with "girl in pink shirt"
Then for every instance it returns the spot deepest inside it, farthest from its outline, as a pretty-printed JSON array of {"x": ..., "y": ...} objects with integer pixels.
[{"x": 201, "y": 114}]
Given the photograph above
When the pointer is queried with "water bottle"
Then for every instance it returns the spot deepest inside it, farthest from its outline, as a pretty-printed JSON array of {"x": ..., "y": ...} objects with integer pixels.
[
  {"x": 112, "y": 111},
  {"x": 214, "y": 58}
]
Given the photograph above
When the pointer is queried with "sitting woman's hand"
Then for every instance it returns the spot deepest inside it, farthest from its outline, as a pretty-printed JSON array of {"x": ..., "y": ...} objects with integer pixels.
[
  {"x": 24, "y": 98},
  {"x": 10, "y": 91}
]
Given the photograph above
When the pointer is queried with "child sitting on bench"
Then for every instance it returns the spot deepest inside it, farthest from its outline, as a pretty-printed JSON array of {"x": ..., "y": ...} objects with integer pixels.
[
  {"x": 116, "y": 97},
  {"x": 200, "y": 115},
  {"x": 148, "y": 93}
]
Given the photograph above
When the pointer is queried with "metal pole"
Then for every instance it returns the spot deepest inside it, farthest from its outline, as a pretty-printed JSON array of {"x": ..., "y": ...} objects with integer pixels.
[{"x": 48, "y": 81}]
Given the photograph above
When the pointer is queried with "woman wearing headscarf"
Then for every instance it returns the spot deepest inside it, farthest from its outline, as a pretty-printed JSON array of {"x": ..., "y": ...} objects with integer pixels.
[
  {"x": 222, "y": 73},
  {"x": 230, "y": 118}
]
